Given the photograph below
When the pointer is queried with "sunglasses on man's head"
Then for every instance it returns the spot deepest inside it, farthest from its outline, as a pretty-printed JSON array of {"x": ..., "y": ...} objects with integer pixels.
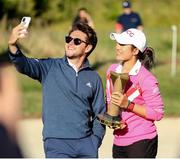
[{"x": 76, "y": 41}]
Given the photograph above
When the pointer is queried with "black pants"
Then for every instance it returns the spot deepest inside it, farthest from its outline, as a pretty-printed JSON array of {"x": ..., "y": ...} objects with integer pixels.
[
  {"x": 8, "y": 148},
  {"x": 142, "y": 149}
]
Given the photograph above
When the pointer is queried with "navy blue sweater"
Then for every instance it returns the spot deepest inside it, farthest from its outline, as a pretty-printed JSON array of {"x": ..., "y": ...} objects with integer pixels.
[{"x": 71, "y": 100}]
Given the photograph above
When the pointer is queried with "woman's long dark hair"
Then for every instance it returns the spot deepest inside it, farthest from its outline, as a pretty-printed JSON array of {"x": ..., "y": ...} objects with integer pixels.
[{"x": 147, "y": 57}]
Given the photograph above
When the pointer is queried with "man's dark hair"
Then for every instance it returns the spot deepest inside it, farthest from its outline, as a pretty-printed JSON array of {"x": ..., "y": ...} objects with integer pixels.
[{"x": 91, "y": 34}]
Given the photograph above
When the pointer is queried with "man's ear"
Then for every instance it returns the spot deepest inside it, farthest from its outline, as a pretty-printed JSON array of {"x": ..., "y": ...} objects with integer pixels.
[{"x": 88, "y": 48}]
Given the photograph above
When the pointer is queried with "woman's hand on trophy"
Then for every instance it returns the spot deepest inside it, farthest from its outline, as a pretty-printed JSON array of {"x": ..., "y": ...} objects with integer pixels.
[{"x": 120, "y": 100}]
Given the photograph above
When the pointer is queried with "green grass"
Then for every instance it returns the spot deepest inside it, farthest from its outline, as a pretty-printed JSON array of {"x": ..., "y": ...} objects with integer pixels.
[
  {"x": 169, "y": 87},
  {"x": 31, "y": 97}
]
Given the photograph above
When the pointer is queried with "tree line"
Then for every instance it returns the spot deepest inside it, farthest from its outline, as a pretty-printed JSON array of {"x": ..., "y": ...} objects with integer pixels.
[{"x": 43, "y": 11}]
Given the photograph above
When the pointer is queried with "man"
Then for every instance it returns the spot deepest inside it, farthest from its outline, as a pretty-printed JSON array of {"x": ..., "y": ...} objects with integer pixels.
[
  {"x": 129, "y": 19},
  {"x": 72, "y": 94}
]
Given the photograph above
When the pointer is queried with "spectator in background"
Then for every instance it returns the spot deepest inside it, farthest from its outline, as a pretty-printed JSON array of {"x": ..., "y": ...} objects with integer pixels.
[
  {"x": 129, "y": 19},
  {"x": 141, "y": 102},
  {"x": 83, "y": 16},
  {"x": 9, "y": 110}
]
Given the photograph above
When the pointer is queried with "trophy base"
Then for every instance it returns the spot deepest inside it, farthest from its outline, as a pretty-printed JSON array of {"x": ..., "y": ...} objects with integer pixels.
[{"x": 110, "y": 121}]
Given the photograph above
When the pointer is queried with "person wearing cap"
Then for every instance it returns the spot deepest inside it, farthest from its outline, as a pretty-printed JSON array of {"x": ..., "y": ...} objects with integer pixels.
[
  {"x": 128, "y": 19},
  {"x": 141, "y": 101}
]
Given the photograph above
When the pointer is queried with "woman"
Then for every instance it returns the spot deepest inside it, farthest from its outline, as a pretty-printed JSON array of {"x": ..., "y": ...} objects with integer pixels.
[
  {"x": 83, "y": 16},
  {"x": 141, "y": 101}
]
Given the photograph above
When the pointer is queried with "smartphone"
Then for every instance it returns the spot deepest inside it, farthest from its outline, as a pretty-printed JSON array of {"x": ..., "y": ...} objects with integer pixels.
[{"x": 26, "y": 21}]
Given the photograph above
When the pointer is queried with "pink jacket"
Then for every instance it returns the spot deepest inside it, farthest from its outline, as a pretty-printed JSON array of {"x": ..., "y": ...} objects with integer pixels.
[{"x": 138, "y": 128}]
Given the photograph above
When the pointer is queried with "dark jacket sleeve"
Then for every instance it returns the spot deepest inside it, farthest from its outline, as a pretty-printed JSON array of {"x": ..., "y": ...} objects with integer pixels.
[
  {"x": 98, "y": 108},
  {"x": 34, "y": 68}
]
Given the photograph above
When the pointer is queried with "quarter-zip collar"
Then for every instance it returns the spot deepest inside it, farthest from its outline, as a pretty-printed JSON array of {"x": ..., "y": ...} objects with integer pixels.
[
  {"x": 73, "y": 66},
  {"x": 84, "y": 65}
]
